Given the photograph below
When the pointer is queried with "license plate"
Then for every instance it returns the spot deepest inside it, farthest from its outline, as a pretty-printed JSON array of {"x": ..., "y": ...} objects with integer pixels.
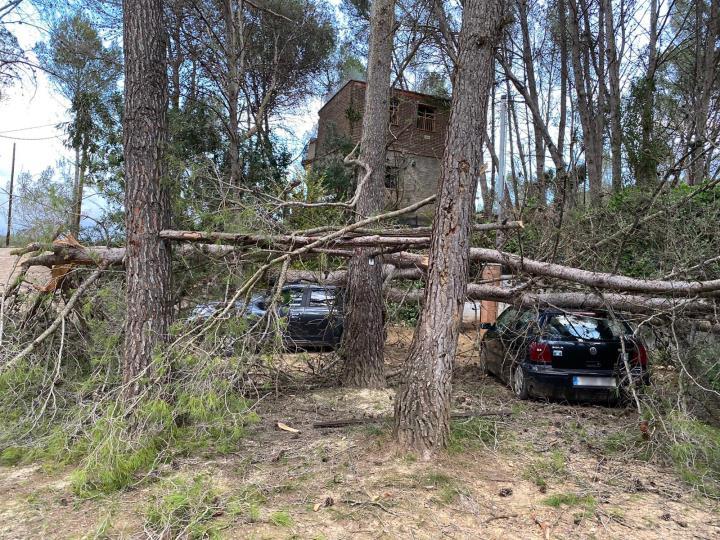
[{"x": 597, "y": 382}]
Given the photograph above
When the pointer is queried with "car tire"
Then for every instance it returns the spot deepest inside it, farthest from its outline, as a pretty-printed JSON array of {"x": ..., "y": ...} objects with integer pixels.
[
  {"x": 519, "y": 383},
  {"x": 482, "y": 363},
  {"x": 483, "y": 368}
]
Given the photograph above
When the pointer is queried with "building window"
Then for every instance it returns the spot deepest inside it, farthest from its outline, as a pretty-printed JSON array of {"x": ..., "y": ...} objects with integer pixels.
[
  {"x": 425, "y": 117},
  {"x": 392, "y": 177},
  {"x": 394, "y": 112}
]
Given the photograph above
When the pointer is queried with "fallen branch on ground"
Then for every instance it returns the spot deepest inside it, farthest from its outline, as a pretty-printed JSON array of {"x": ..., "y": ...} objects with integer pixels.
[
  {"x": 58, "y": 320},
  {"x": 379, "y": 419}
]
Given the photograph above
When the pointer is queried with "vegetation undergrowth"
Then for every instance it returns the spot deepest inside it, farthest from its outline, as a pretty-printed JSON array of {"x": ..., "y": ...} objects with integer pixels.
[
  {"x": 184, "y": 508},
  {"x": 70, "y": 412},
  {"x": 472, "y": 434},
  {"x": 694, "y": 449}
]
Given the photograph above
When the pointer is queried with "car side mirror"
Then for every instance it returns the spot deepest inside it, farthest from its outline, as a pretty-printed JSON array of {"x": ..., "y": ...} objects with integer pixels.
[{"x": 488, "y": 326}]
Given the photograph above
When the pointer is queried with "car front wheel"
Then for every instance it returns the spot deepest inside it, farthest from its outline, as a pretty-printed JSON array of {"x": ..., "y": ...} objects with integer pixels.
[{"x": 519, "y": 383}]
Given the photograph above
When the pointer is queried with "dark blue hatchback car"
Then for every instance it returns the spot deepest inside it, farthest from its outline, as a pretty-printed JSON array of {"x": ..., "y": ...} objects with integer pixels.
[{"x": 570, "y": 355}]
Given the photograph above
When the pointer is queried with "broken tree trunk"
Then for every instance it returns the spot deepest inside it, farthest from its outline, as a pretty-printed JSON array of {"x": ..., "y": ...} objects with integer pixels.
[
  {"x": 422, "y": 405},
  {"x": 576, "y": 300},
  {"x": 407, "y": 266},
  {"x": 599, "y": 280}
]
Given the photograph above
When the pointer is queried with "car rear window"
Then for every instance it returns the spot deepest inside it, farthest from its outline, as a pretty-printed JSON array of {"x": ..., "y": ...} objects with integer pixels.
[
  {"x": 322, "y": 297},
  {"x": 581, "y": 326},
  {"x": 292, "y": 297}
]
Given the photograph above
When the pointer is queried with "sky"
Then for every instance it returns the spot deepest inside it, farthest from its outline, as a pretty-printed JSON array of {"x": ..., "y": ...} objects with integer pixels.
[{"x": 31, "y": 111}]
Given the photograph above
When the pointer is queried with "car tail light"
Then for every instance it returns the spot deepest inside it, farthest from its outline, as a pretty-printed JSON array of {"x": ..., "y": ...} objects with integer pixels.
[
  {"x": 640, "y": 356},
  {"x": 540, "y": 353}
]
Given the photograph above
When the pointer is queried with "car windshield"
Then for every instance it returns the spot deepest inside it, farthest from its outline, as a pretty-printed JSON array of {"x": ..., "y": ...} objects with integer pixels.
[{"x": 585, "y": 326}]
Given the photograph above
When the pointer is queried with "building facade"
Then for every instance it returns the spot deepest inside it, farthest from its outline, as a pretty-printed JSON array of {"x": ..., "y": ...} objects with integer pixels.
[{"x": 418, "y": 124}]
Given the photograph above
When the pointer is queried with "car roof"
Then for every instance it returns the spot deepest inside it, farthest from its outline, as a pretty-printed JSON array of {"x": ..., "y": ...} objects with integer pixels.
[{"x": 308, "y": 286}]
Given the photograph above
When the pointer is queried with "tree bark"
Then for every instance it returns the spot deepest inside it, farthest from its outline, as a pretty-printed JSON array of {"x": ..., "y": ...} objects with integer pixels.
[
  {"x": 533, "y": 91},
  {"x": 363, "y": 337},
  {"x": 614, "y": 96},
  {"x": 579, "y": 300},
  {"x": 146, "y": 198},
  {"x": 232, "y": 50},
  {"x": 647, "y": 170},
  {"x": 77, "y": 194},
  {"x": 562, "y": 19},
  {"x": 706, "y": 61},
  {"x": 589, "y": 105},
  {"x": 422, "y": 405}
]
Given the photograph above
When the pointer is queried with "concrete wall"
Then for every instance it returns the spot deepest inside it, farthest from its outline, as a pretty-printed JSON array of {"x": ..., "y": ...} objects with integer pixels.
[{"x": 418, "y": 178}]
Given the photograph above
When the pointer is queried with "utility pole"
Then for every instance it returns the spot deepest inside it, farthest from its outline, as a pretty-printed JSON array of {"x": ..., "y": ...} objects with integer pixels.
[
  {"x": 500, "y": 180},
  {"x": 10, "y": 198}
]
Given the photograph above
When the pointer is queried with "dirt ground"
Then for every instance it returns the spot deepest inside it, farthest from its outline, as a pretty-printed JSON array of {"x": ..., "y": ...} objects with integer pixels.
[
  {"x": 538, "y": 470},
  {"x": 37, "y": 275}
]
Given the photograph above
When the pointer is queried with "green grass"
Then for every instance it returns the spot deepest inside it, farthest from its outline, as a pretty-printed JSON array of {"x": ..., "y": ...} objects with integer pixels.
[
  {"x": 571, "y": 499},
  {"x": 11, "y": 456},
  {"x": 185, "y": 508},
  {"x": 542, "y": 470},
  {"x": 247, "y": 502},
  {"x": 448, "y": 488},
  {"x": 281, "y": 518},
  {"x": 472, "y": 434},
  {"x": 695, "y": 453},
  {"x": 587, "y": 504}
]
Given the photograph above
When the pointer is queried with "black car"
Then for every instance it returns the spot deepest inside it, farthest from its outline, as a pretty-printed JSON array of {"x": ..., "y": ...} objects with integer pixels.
[
  {"x": 310, "y": 315},
  {"x": 313, "y": 315},
  {"x": 570, "y": 355}
]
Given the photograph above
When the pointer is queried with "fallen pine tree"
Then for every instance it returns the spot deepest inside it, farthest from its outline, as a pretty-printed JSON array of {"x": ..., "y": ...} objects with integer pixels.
[
  {"x": 63, "y": 254},
  {"x": 577, "y": 300}
]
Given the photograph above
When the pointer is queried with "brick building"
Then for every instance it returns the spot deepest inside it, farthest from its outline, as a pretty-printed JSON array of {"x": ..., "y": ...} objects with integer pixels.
[{"x": 418, "y": 123}]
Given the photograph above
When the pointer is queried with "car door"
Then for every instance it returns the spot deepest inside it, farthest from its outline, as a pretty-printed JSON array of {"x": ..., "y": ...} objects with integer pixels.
[
  {"x": 320, "y": 302},
  {"x": 493, "y": 341},
  {"x": 292, "y": 305}
]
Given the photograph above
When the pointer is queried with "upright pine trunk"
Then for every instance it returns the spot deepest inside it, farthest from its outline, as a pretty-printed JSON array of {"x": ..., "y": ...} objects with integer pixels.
[
  {"x": 77, "y": 194},
  {"x": 533, "y": 90},
  {"x": 146, "y": 205},
  {"x": 707, "y": 36},
  {"x": 364, "y": 333},
  {"x": 422, "y": 406},
  {"x": 589, "y": 100},
  {"x": 614, "y": 97}
]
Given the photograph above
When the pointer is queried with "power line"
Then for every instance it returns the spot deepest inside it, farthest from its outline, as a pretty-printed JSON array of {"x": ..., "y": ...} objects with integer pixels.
[
  {"x": 28, "y": 128},
  {"x": 30, "y": 138}
]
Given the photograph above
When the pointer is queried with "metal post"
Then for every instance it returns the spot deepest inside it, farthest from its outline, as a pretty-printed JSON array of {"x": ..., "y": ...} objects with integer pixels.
[
  {"x": 10, "y": 198},
  {"x": 500, "y": 181}
]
